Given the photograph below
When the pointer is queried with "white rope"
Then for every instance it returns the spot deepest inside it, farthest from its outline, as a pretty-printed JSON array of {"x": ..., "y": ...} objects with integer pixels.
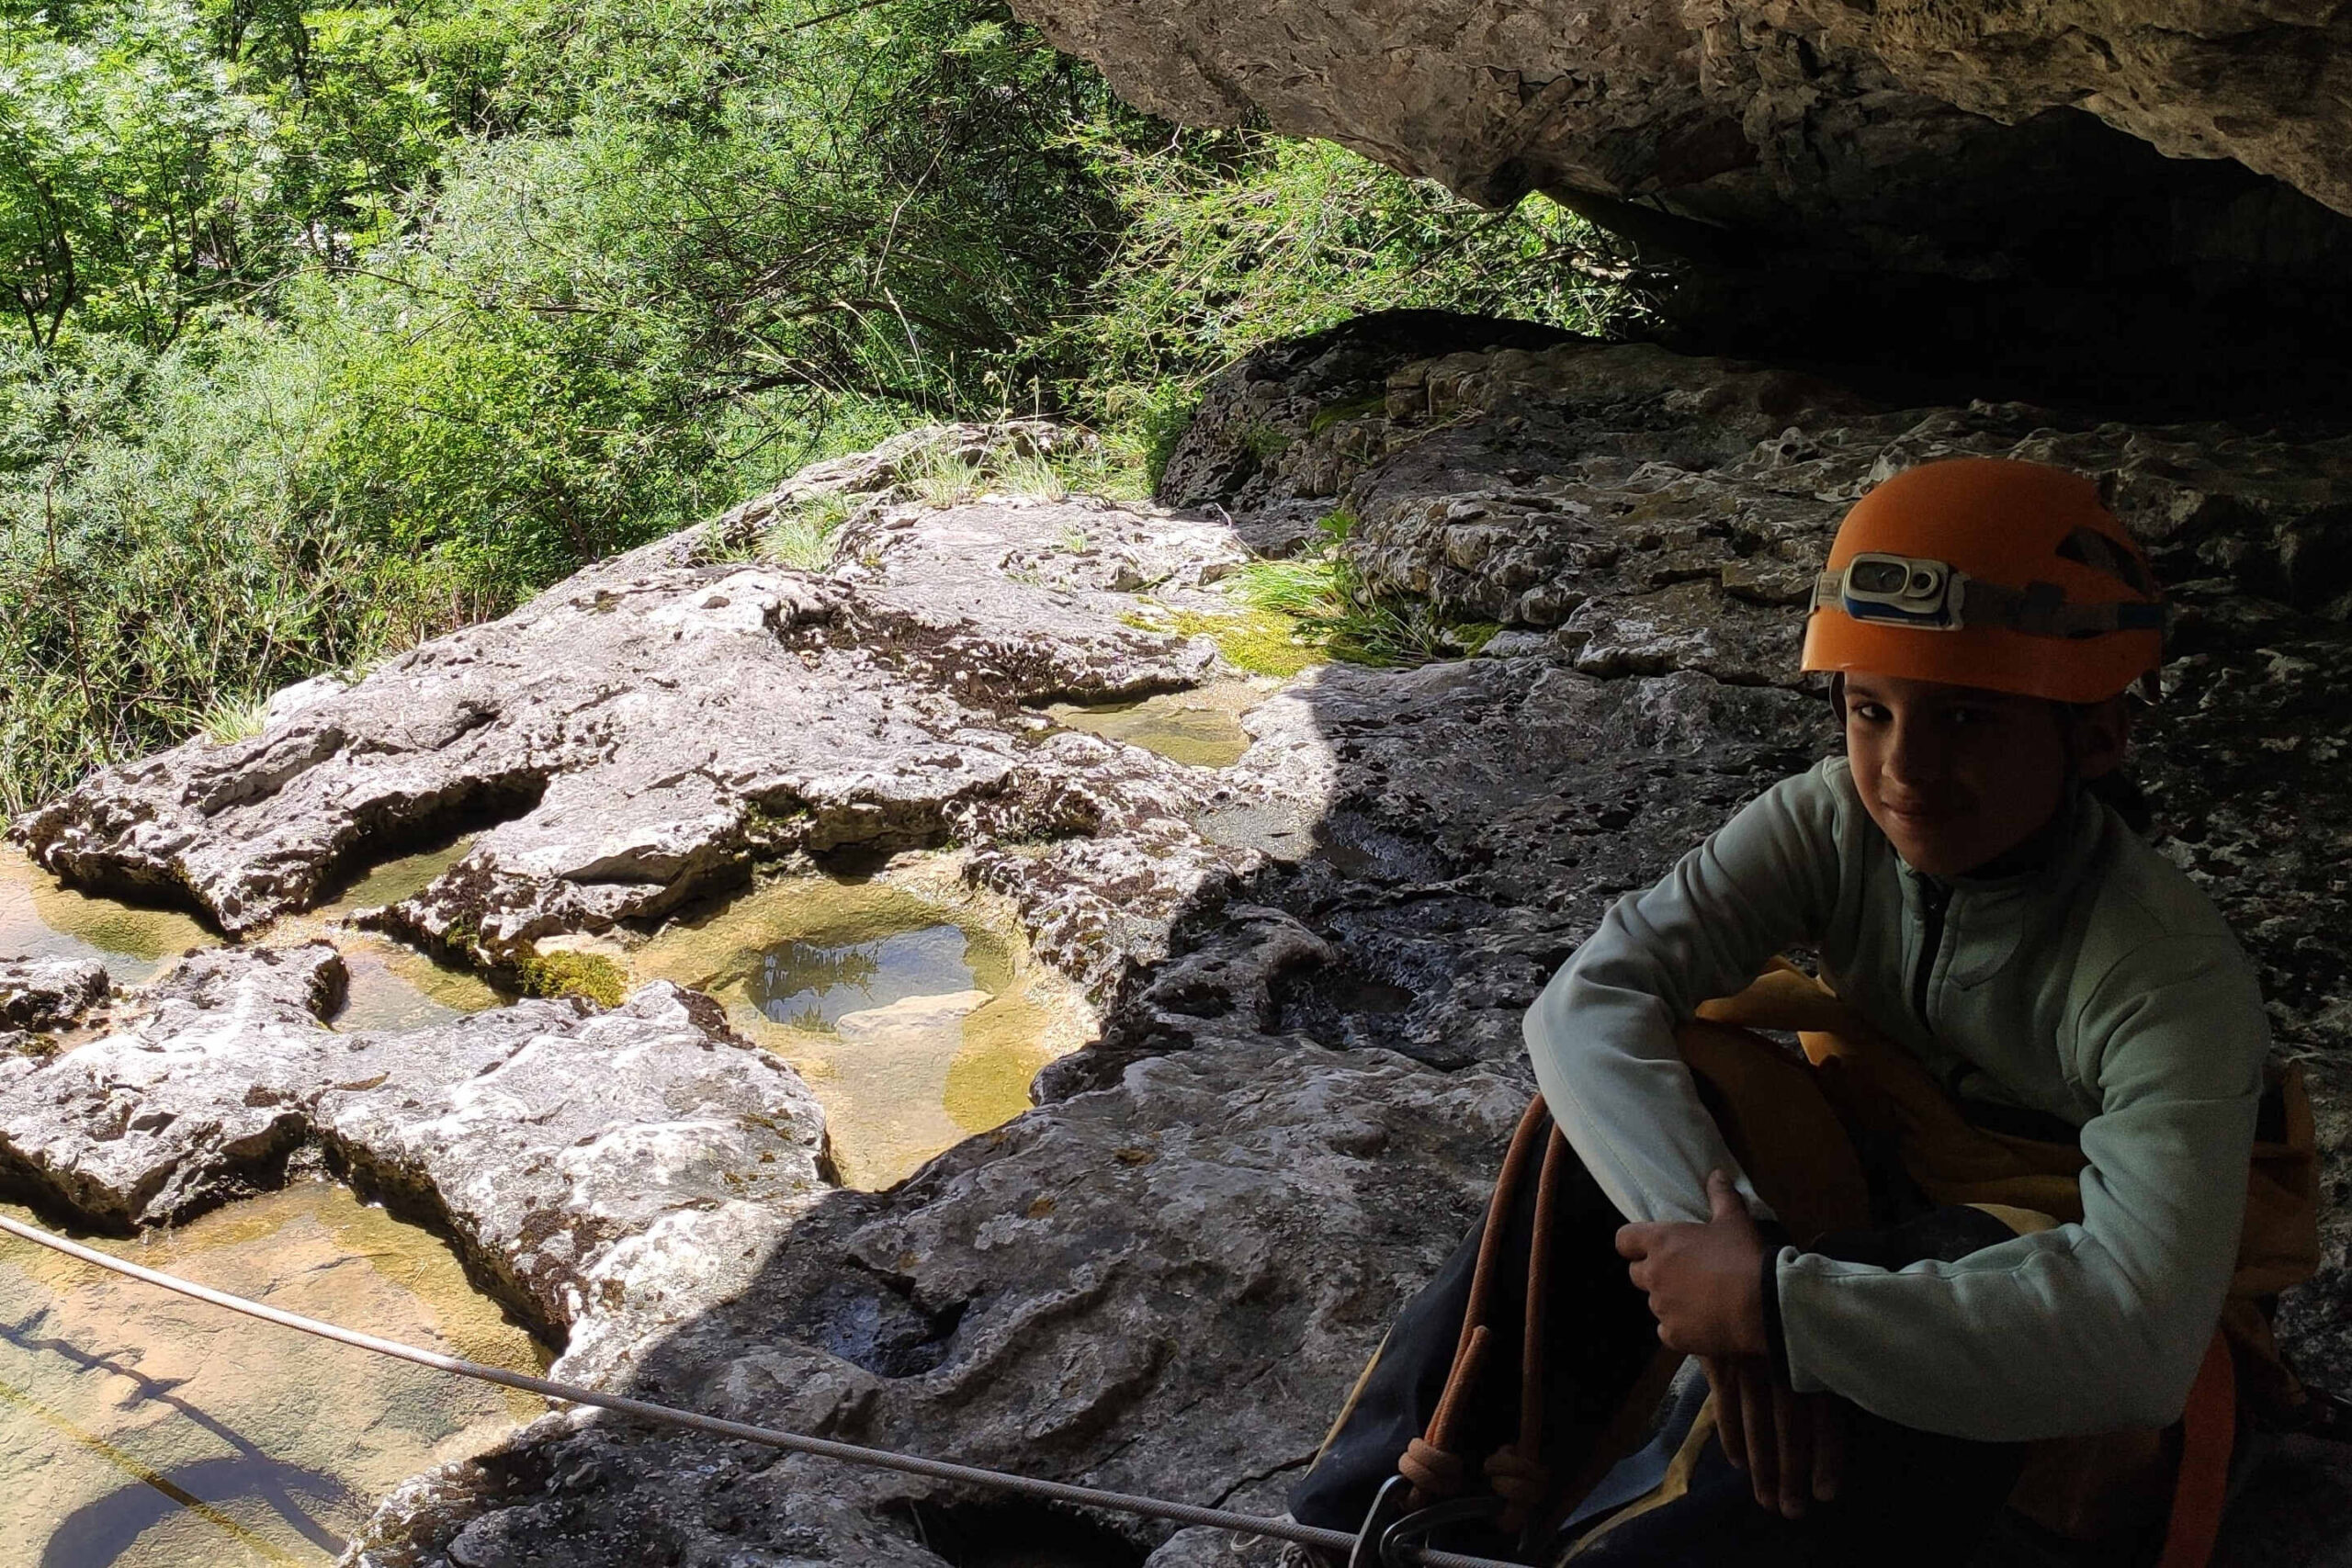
[{"x": 824, "y": 1447}]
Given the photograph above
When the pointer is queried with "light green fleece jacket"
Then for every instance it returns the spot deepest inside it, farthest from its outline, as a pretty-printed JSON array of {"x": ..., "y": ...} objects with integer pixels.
[{"x": 2102, "y": 987}]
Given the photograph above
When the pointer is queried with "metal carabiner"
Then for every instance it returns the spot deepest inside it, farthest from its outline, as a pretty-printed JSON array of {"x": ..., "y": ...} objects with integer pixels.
[
  {"x": 1387, "y": 1507},
  {"x": 1415, "y": 1529}
]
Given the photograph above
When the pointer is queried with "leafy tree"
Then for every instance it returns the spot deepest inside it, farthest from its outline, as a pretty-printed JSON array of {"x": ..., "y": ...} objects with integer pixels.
[
  {"x": 130, "y": 175},
  {"x": 1230, "y": 240}
]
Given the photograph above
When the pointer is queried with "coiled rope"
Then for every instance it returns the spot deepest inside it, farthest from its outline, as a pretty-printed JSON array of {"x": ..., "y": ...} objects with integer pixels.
[{"x": 824, "y": 1447}]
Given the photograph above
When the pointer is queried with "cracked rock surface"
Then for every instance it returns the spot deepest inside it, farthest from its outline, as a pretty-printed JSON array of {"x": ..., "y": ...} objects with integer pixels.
[{"x": 1312, "y": 963}]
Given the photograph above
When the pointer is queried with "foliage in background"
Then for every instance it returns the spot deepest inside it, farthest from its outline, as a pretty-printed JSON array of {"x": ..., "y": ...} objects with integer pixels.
[
  {"x": 1236, "y": 238},
  {"x": 327, "y": 329}
]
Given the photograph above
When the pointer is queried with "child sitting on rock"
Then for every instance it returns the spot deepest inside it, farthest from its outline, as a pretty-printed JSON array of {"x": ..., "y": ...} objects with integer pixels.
[{"x": 2000, "y": 1202}]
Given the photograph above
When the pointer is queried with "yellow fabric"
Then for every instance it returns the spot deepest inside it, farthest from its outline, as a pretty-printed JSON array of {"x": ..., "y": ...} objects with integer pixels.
[
  {"x": 1674, "y": 1484},
  {"x": 1866, "y": 1088}
]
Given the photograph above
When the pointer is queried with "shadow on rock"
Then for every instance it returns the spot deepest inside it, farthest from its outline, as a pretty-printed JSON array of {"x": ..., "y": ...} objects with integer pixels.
[{"x": 1313, "y": 963}]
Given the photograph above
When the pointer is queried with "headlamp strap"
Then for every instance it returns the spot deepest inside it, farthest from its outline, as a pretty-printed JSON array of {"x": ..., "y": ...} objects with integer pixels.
[{"x": 2039, "y": 609}]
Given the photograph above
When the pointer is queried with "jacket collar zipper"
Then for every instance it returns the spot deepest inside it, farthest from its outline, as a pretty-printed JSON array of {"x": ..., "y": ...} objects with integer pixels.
[{"x": 1934, "y": 898}]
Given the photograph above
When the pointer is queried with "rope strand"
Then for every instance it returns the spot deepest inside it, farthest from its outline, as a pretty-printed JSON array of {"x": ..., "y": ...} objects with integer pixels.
[{"x": 824, "y": 1447}]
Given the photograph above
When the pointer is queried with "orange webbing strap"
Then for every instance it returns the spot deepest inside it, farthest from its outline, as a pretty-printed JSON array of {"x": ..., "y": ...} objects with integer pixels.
[{"x": 2209, "y": 1428}]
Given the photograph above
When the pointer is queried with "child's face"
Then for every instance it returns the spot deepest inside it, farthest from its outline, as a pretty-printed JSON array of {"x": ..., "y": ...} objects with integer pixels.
[{"x": 1954, "y": 776}]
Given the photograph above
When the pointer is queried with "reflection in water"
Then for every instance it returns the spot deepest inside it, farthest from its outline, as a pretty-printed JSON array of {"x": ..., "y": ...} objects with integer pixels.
[
  {"x": 810, "y": 985},
  {"x": 138, "y": 1429},
  {"x": 1202, "y": 726},
  {"x": 910, "y": 1004}
]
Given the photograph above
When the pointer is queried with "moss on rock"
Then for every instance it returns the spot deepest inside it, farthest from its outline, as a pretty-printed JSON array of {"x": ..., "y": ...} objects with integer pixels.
[{"x": 564, "y": 973}]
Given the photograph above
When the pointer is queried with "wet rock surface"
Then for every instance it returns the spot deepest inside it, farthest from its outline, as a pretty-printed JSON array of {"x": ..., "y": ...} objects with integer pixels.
[
  {"x": 1312, "y": 961},
  {"x": 172, "y": 1401},
  {"x": 537, "y": 1136}
]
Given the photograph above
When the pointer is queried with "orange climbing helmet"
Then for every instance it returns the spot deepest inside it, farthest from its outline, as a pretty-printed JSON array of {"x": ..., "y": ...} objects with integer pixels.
[{"x": 1992, "y": 572}]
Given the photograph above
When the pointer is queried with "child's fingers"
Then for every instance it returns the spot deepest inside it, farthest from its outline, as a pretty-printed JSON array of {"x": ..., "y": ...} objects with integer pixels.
[
  {"x": 1723, "y": 1197},
  {"x": 1729, "y": 1414},
  {"x": 1637, "y": 1241},
  {"x": 1828, "y": 1446},
  {"x": 1757, "y": 1420},
  {"x": 1792, "y": 1461}
]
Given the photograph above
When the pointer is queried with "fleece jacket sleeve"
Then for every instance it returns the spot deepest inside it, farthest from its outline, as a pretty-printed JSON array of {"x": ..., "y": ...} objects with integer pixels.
[
  {"x": 2091, "y": 1327},
  {"x": 1602, "y": 1035}
]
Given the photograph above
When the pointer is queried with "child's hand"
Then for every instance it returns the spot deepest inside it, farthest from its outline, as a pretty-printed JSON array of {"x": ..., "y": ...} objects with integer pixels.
[
  {"x": 1704, "y": 1281},
  {"x": 1792, "y": 1445}
]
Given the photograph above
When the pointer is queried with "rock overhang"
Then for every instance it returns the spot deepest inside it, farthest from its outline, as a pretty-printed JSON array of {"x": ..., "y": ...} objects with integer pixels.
[{"x": 2105, "y": 201}]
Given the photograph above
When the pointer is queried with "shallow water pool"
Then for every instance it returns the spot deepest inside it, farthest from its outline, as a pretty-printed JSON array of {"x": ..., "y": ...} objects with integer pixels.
[
  {"x": 138, "y": 1429},
  {"x": 1200, "y": 727},
  {"x": 391, "y": 986},
  {"x": 911, "y": 1005}
]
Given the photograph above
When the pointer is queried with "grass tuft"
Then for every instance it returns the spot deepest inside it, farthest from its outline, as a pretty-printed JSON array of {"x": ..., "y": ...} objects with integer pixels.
[
  {"x": 1033, "y": 474},
  {"x": 1330, "y": 606},
  {"x": 230, "y": 719},
  {"x": 803, "y": 537}
]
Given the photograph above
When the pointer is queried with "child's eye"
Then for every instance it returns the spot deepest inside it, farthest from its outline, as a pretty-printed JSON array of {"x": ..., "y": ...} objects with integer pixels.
[{"x": 1869, "y": 712}]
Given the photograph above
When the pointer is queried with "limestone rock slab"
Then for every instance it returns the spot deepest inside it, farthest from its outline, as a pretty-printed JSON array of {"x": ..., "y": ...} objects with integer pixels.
[
  {"x": 43, "y": 993},
  {"x": 1151, "y": 1285},
  {"x": 654, "y": 726},
  {"x": 540, "y": 1137}
]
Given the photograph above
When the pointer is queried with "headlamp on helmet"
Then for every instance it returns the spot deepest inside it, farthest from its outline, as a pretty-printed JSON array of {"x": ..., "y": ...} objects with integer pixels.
[
  {"x": 1901, "y": 589},
  {"x": 1910, "y": 590}
]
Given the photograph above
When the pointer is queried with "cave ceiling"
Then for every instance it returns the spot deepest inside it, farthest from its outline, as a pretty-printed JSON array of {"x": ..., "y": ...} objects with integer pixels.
[{"x": 2102, "y": 176}]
